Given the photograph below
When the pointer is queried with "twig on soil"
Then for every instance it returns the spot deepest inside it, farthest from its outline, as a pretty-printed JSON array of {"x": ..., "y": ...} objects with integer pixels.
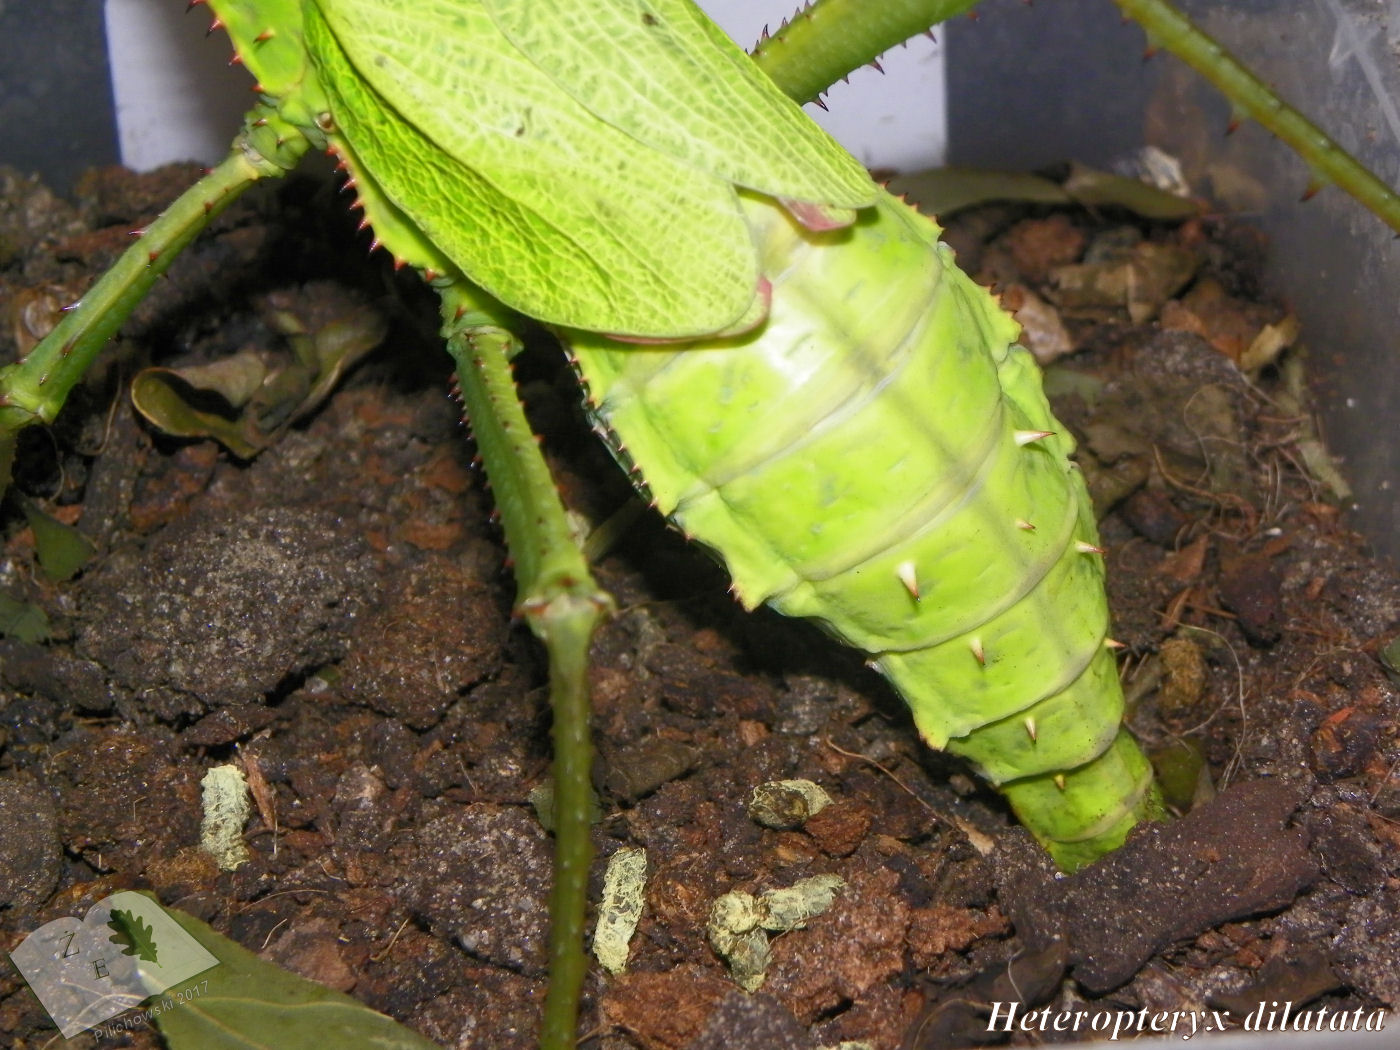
[
  {"x": 1299, "y": 469},
  {"x": 866, "y": 758},
  {"x": 1203, "y": 440},
  {"x": 268, "y": 939},
  {"x": 1385, "y": 780},
  {"x": 283, "y": 893},
  {"x": 1011, "y": 974},
  {"x": 1238, "y": 756},
  {"x": 116, "y": 401},
  {"x": 1220, "y": 499},
  {"x": 1171, "y": 616},
  {"x": 383, "y": 953}
]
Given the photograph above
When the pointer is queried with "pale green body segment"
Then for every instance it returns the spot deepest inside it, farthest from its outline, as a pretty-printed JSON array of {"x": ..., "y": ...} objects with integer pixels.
[
  {"x": 853, "y": 453},
  {"x": 861, "y": 459}
]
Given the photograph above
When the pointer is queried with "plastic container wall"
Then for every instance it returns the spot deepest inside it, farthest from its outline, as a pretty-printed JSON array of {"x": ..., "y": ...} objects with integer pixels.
[
  {"x": 55, "y": 91},
  {"x": 1035, "y": 85}
]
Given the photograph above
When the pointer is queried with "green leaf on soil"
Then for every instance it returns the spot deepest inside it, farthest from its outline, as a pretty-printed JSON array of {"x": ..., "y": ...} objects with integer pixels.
[
  {"x": 247, "y": 401},
  {"x": 62, "y": 549},
  {"x": 22, "y": 621},
  {"x": 1101, "y": 189},
  {"x": 250, "y": 1004},
  {"x": 1390, "y": 659},
  {"x": 943, "y": 191}
]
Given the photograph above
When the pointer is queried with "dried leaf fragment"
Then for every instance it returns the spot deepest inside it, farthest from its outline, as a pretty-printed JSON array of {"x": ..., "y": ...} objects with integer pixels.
[
  {"x": 786, "y": 804},
  {"x": 624, "y": 886},
  {"x": 738, "y": 922},
  {"x": 226, "y": 809}
]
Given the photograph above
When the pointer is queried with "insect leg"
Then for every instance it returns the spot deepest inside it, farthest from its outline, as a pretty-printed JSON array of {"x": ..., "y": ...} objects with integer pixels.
[
  {"x": 558, "y": 599},
  {"x": 34, "y": 389}
]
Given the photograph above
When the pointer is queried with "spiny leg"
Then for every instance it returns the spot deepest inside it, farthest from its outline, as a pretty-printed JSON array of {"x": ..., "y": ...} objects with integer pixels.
[
  {"x": 1250, "y": 97},
  {"x": 34, "y": 389},
  {"x": 830, "y": 39},
  {"x": 560, "y": 601},
  {"x": 826, "y": 40}
]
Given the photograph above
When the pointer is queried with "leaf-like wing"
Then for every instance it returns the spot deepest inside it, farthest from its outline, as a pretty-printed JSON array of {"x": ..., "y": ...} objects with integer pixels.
[
  {"x": 673, "y": 80},
  {"x": 542, "y": 203}
]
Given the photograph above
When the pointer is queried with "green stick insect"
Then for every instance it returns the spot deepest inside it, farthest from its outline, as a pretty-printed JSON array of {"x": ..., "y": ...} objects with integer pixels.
[{"x": 795, "y": 372}]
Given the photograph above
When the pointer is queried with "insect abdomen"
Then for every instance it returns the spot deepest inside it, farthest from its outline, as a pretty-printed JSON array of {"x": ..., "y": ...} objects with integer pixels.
[{"x": 878, "y": 456}]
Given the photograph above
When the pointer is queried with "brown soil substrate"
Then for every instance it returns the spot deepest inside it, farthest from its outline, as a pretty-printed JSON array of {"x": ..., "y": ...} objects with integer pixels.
[{"x": 334, "y": 616}]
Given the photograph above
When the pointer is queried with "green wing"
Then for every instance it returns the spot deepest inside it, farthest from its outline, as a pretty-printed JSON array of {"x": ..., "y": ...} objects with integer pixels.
[
  {"x": 674, "y": 81},
  {"x": 569, "y": 215}
]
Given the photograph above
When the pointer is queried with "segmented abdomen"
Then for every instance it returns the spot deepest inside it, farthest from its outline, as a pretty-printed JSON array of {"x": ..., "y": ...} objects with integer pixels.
[{"x": 878, "y": 456}]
